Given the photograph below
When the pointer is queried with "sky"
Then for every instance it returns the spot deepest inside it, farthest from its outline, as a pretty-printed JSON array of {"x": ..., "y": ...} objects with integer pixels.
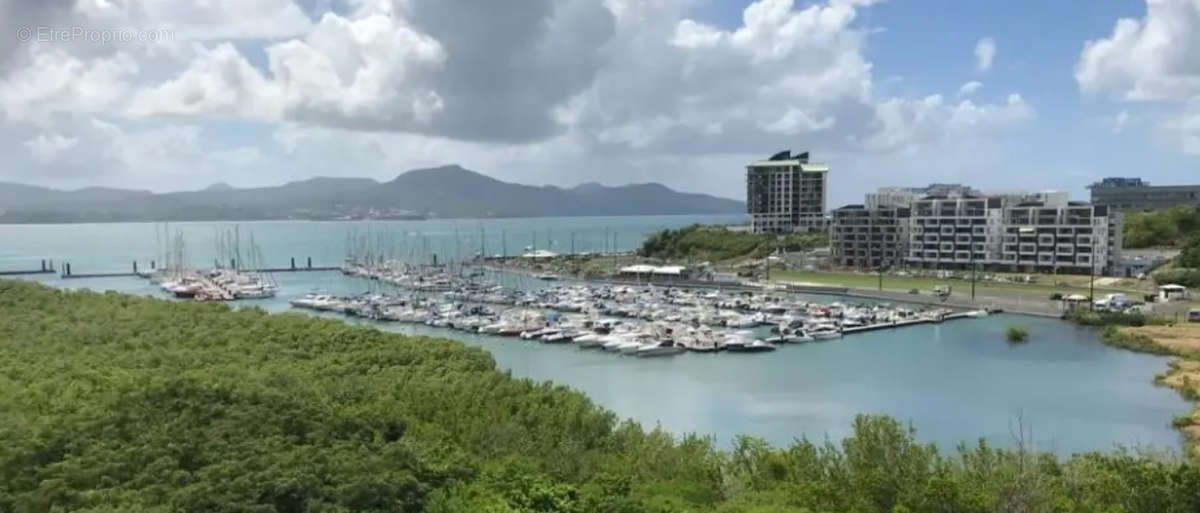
[{"x": 1016, "y": 95}]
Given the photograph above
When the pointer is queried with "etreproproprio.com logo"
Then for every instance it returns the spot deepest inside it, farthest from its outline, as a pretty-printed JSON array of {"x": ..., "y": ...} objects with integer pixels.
[{"x": 79, "y": 33}]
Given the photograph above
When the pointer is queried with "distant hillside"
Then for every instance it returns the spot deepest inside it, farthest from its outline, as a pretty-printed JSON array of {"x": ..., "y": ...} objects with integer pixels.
[
  {"x": 15, "y": 195},
  {"x": 447, "y": 191}
]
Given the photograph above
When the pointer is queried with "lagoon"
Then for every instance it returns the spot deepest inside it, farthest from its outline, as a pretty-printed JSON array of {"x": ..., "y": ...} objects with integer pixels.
[{"x": 954, "y": 382}]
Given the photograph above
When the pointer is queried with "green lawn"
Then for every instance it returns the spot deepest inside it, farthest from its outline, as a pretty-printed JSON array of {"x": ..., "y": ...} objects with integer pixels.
[{"x": 870, "y": 281}]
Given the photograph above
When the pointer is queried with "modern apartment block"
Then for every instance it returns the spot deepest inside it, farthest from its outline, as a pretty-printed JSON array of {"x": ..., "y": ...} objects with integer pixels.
[
  {"x": 955, "y": 232},
  {"x": 1135, "y": 194},
  {"x": 1042, "y": 232},
  {"x": 869, "y": 238},
  {"x": 1074, "y": 237},
  {"x": 786, "y": 193}
]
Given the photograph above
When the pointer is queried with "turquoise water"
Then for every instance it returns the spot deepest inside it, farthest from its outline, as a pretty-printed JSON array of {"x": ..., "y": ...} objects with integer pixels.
[
  {"x": 954, "y": 382},
  {"x": 97, "y": 248}
]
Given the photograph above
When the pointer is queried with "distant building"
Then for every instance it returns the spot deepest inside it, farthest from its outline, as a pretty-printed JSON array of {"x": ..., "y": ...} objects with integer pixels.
[
  {"x": 1012, "y": 232},
  {"x": 1136, "y": 194},
  {"x": 869, "y": 238},
  {"x": 786, "y": 193},
  {"x": 905, "y": 196},
  {"x": 1070, "y": 237},
  {"x": 955, "y": 232}
]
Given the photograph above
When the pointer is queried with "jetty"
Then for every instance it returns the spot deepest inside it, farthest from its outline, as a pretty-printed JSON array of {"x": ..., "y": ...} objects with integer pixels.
[{"x": 46, "y": 268}]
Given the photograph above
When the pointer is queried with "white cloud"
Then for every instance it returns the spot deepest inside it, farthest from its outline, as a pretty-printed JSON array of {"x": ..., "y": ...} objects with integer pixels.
[
  {"x": 219, "y": 83},
  {"x": 985, "y": 52},
  {"x": 1182, "y": 131},
  {"x": 1156, "y": 57},
  {"x": 1119, "y": 121},
  {"x": 55, "y": 80},
  {"x": 46, "y": 148},
  {"x": 629, "y": 90},
  {"x": 969, "y": 88},
  {"x": 910, "y": 124}
]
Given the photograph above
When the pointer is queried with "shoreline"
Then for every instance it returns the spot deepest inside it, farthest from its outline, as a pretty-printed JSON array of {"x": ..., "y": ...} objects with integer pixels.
[{"x": 1182, "y": 343}]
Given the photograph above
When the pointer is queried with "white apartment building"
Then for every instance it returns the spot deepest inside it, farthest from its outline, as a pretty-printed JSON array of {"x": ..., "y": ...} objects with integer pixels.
[
  {"x": 1041, "y": 232},
  {"x": 955, "y": 233},
  {"x": 786, "y": 193},
  {"x": 1067, "y": 237}
]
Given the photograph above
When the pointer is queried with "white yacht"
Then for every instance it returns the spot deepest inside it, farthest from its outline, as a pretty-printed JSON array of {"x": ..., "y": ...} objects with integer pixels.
[{"x": 664, "y": 348}]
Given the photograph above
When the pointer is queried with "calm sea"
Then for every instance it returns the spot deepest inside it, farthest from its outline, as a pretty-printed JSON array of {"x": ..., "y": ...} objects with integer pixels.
[{"x": 954, "y": 382}]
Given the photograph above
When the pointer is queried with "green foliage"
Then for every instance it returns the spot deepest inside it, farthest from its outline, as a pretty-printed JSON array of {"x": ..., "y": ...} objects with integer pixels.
[
  {"x": 803, "y": 241},
  {"x": 1182, "y": 421},
  {"x": 1016, "y": 334},
  {"x": 717, "y": 244},
  {"x": 1190, "y": 255},
  {"x": 1177, "y": 275},
  {"x": 1110, "y": 318},
  {"x": 712, "y": 243},
  {"x": 116, "y": 403},
  {"x": 1169, "y": 227}
]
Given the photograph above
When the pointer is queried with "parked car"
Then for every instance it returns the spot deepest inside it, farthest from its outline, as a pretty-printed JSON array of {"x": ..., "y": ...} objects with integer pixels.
[{"x": 1113, "y": 302}]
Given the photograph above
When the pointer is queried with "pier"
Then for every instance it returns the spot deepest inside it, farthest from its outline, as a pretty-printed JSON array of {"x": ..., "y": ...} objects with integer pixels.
[
  {"x": 46, "y": 268},
  {"x": 905, "y": 324},
  {"x": 68, "y": 273}
]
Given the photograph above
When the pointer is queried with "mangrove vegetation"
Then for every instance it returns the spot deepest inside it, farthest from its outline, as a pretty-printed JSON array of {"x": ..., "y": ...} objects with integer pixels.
[{"x": 111, "y": 402}]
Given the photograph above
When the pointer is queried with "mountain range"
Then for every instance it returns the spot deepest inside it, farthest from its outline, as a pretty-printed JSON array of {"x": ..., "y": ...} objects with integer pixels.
[{"x": 447, "y": 191}]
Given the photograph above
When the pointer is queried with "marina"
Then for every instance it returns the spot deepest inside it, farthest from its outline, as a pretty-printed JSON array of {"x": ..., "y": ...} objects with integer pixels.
[{"x": 925, "y": 372}]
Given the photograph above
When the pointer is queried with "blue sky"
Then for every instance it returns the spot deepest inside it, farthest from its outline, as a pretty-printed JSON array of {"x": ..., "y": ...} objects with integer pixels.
[
  {"x": 559, "y": 92},
  {"x": 926, "y": 47}
]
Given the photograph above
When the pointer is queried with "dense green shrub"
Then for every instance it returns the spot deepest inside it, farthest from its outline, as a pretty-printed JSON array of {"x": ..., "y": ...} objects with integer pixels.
[
  {"x": 114, "y": 403},
  {"x": 1189, "y": 257},
  {"x": 1168, "y": 227},
  {"x": 1016, "y": 334},
  {"x": 1109, "y": 318},
  {"x": 1179, "y": 276}
]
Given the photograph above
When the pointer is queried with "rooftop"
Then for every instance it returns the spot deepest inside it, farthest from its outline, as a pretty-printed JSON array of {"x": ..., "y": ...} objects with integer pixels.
[{"x": 786, "y": 159}]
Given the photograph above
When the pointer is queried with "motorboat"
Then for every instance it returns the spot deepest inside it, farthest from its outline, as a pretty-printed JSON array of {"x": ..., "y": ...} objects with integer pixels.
[
  {"x": 614, "y": 342},
  {"x": 539, "y": 333},
  {"x": 592, "y": 340},
  {"x": 745, "y": 345},
  {"x": 824, "y": 332},
  {"x": 798, "y": 337},
  {"x": 636, "y": 342},
  {"x": 562, "y": 337},
  {"x": 664, "y": 348}
]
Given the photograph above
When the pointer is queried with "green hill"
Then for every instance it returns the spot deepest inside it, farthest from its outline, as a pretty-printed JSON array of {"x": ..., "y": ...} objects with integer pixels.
[
  {"x": 113, "y": 403},
  {"x": 718, "y": 244}
]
